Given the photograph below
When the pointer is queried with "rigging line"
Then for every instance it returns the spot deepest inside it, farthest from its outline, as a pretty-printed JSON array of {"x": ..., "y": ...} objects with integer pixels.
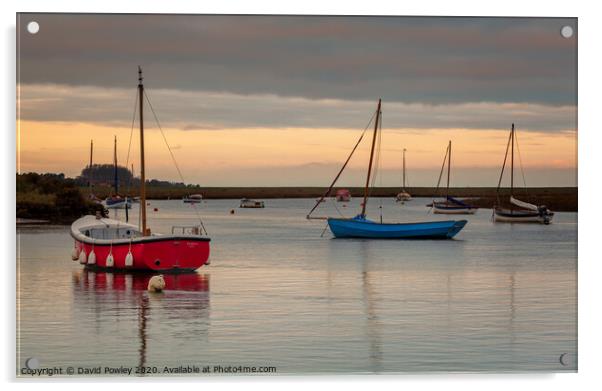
[
  {"x": 337, "y": 209},
  {"x": 441, "y": 172},
  {"x": 380, "y": 177},
  {"x": 377, "y": 156},
  {"x": 173, "y": 158},
  {"x": 377, "y": 164},
  {"x": 334, "y": 203},
  {"x": 503, "y": 166},
  {"x": 342, "y": 169},
  {"x": 127, "y": 160},
  {"x": 520, "y": 160}
]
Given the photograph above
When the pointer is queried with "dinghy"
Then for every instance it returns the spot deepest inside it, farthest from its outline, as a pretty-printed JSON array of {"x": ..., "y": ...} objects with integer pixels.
[
  {"x": 450, "y": 205},
  {"x": 253, "y": 204},
  {"x": 518, "y": 211},
  {"x": 361, "y": 227},
  {"x": 112, "y": 244},
  {"x": 193, "y": 199}
]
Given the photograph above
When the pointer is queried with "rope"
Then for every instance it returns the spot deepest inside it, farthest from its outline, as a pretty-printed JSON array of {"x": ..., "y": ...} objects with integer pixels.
[
  {"x": 341, "y": 171},
  {"x": 503, "y": 166},
  {"x": 441, "y": 173},
  {"x": 520, "y": 160},
  {"x": 127, "y": 160},
  {"x": 173, "y": 158}
]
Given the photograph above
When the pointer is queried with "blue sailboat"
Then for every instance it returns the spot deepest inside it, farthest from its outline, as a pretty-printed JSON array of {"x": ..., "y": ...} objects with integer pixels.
[{"x": 361, "y": 227}]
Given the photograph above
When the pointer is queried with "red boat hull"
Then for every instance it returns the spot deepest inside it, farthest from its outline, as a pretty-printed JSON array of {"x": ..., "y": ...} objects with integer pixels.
[{"x": 155, "y": 254}]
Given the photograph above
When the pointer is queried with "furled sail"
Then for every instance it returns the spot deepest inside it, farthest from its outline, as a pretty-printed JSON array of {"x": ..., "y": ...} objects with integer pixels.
[
  {"x": 523, "y": 204},
  {"x": 458, "y": 202}
]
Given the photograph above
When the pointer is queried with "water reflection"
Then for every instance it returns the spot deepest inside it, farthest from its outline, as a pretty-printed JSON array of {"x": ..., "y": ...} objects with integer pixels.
[
  {"x": 373, "y": 329},
  {"x": 123, "y": 298},
  {"x": 142, "y": 317}
]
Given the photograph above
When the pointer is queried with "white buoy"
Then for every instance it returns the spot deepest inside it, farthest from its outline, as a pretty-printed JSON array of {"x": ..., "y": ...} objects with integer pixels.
[
  {"x": 91, "y": 258},
  {"x": 75, "y": 254},
  {"x": 156, "y": 284},
  {"x": 110, "y": 261},
  {"x": 129, "y": 259},
  {"x": 82, "y": 257}
]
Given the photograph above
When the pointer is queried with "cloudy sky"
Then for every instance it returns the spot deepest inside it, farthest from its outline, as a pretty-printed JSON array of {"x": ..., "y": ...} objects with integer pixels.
[{"x": 280, "y": 100}]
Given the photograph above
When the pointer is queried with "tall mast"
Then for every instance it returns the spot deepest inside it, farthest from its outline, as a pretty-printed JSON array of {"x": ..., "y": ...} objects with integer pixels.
[
  {"x": 371, "y": 159},
  {"x": 115, "y": 178},
  {"x": 448, "y": 168},
  {"x": 142, "y": 173},
  {"x": 512, "y": 165},
  {"x": 90, "y": 165},
  {"x": 91, "y": 152},
  {"x": 404, "y": 170}
]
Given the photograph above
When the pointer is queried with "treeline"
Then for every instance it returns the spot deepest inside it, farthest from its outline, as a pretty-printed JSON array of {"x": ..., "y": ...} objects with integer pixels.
[
  {"x": 51, "y": 197},
  {"x": 104, "y": 175},
  {"x": 59, "y": 199}
]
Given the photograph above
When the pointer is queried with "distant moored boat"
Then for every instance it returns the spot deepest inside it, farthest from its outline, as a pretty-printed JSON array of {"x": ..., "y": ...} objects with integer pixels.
[
  {"x": 518, "y": 211},
  {"x": 116, "y": 201},
  {"x": 403, "y": 195},
  {"x": 450, "y": 205},
  {"x": 343, "y": 195},
  {"x": 247, "y": 203},
  {"x": 193, "y": 199}
]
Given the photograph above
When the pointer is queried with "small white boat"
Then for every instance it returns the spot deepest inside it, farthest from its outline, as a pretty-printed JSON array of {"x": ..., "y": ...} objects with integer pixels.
[
  {"x": 193, "y": 199},
  {"x": 519, "y": 211},
  {"x": 403, "y": 195},
  {"x": 248, "y": 203},
  {"x": 525, "y": 213}
]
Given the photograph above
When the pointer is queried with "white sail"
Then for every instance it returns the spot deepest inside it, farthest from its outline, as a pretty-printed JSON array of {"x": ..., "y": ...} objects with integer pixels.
[{"x": 523, "y": 204}]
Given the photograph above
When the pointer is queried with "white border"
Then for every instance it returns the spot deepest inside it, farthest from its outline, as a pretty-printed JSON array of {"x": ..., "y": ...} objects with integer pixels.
[{"x": 589, "y": 179}]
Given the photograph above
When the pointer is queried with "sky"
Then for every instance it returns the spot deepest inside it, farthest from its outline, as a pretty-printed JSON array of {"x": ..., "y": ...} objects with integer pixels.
[{"x": 281, "y": 100}]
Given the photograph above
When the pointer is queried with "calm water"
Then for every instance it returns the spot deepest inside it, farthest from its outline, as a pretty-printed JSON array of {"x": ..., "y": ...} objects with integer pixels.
[{"x": 499, "y": 297}]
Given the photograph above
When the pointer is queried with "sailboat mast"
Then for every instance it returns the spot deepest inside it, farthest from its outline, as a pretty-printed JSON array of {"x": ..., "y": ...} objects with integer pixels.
[
  {"x": 371, "y": 159},
  {"x": 115, "y": 178},
  {"x": 448, "y": 168},
  {"x": 404, "y": 170},
  {"x": 91, "y": 152},
  {"x": 512, "y": 165},
  {"x": 142, "y": 173},
  {"x": 90, "y": 165}
]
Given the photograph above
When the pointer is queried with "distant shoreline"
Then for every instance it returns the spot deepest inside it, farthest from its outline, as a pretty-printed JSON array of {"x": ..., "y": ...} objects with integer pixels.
[{"x": 556, "y": 198}]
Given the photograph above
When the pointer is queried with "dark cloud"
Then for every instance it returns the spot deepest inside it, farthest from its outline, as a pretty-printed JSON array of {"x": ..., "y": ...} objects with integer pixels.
[
  {"x": 189, "y": 110},
  {"x": 402, "y": 59}
]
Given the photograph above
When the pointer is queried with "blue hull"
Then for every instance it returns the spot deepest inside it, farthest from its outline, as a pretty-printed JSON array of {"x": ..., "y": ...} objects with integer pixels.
[{"x": 361, "y": 228}]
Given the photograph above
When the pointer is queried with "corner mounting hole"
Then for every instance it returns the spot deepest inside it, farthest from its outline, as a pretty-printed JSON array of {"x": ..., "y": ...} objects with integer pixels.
[
  {"x": 566, "y": 31},
  {"x": 33, "y": 27}
]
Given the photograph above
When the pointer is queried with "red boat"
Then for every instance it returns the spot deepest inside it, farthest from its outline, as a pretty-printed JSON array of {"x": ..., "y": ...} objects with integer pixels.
[{"x": 106, "y": 243}]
